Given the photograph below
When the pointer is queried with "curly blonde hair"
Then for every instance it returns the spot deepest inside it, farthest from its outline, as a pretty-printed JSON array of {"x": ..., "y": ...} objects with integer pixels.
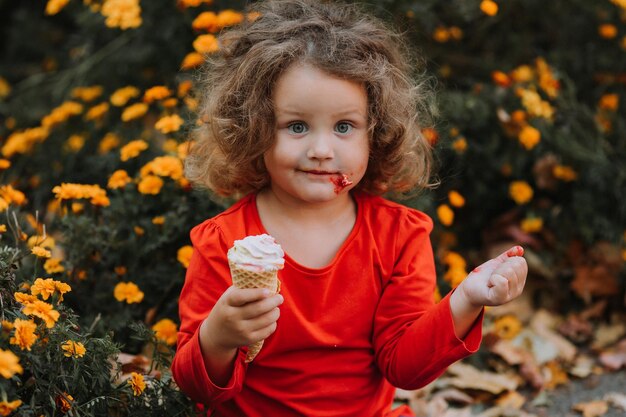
[{"x": 237, "y": 113}]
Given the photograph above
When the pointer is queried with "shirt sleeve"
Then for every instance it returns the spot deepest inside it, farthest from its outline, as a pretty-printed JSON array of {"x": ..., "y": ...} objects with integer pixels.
[
  {"x": 207, "y": 278},
  {"x": 414, "y": 338}
]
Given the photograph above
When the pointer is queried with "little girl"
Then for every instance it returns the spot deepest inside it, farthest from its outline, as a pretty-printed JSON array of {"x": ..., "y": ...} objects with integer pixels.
[{"x": 310, "y": 115}]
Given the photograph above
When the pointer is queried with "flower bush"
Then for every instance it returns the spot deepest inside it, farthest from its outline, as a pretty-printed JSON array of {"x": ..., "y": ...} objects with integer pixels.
[{"x": 97, "y": 99}]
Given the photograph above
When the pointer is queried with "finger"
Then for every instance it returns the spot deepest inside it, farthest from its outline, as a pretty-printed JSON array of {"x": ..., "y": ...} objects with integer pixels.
[
  {"x": 238, "y": 297},
  {"x": 263, "y": 333},
  {"x": 264, "y": 320},
  {"x": 260, "y": 307},
  {"x": 499, "y": 289}
]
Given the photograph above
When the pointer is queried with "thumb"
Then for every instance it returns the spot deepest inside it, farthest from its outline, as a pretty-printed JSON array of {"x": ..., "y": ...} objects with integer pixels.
[{"x": 490, "y": 265}]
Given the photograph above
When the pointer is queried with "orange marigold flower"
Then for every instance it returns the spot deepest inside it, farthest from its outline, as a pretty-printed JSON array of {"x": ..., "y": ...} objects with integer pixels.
[
  {"x": 229, "y": 17},
  {"x": 24, "y": 299},
  {"x": 150, "y": 184},
  {"x": 455, "y": 276},
  {"x": 454, "y": 260},
  {"x": 87, "y": 94},
  {"x": 184, "y": 255},
  {"x": 193, "y": 3},
  {"x": 42, "y": 310},
  {"x": 70, "y": 191},
  {"x": 501, "y": 78},
  {"x": 158, "y": 220},
  {"x": 61, "y": 114},
  {"x": 109, "y": 141},
  {"x": 441, "y": 34},
  {"x": 168, "y": 124},
  {"x": 489, "y": 7},
  {"x": 120, "y": 270},
  {"x": 7, "y": 407},
  {"x": 96, "y": 112},
  {"x": 155, "y": 93},
  {"x": 122, "y": 95},
  {"x": 507, "y": 327},
  {"x": 460, "y": 145},
  {"x": 564, "y": 173},
  {"x": 206, "y": 21},
  {"x": 73, "y": 349},
  {"x": 529, "y": 137},
  {"x": 12, "y": 196},
  {"x": 206, "y": 44},
  {"x": 47, "y": 287},
  {"x": 607, "y": 31},
  {"x": 532, "y": 224},
  {"x": 132, "y": 149},
  {"x": 192, "y": 60},
  {"x": 24, "y": 336},
  {"x": 128, "y": 292},
  {"x": 5, "y": 163},
  {"x": 76, "y": 142},
  {"x": 9, "y": 364},
  {"x": 520, "y": 192},
  {"x": 609, "y": 102},
  {"x": 166, "y": 331},
  {"x": 23, "y": 142},
  {"x": 445, "y": 215},
  {"x": 134, "y": 111},
  {"x": 55, "y": 6},
  {"x": 137, "y": 383},
  {"x": 118, "y": 179},
  {"x": 139, "y": 231},
  {"x": 53, "y": 266},
  {"x": 522, "y": 74},
  {"x": 124, "y": 14},
  {"x": 64, "y": 402},
  {"x": 431, "y": 135},
  {"x": 163, "y": 166},
  {"x": 456, "y": 199},
  {"x": 41, "y": 252},
  {"x": 5, "y": 90}
]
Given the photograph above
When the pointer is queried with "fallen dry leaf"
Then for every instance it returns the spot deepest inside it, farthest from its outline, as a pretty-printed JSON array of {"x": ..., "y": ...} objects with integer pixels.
[
  {"x": 594, "y": 280},
  {"x": 583, "y": 366},
  {"x": 452, "y": 395},
  {"x": 542, "y": 323},
  {"x": 471, "y": 378},
  {"x": 516, "y": 355},
  {"x": 592, "y": 408},
  {"x": 505, "y": 412},
  {"x": 511, "y": 399},
  {"x": 576, "y": 328},
  {"x": 554, "y": 375},
  {"x": 614, "y": 358},
  {"x": 616, "y": 399},
  {"x": 608, "y": 334}
]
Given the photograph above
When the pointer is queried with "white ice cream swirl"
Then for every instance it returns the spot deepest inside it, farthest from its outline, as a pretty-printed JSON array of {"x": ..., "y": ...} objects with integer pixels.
[{"x": 259, "y": 252}]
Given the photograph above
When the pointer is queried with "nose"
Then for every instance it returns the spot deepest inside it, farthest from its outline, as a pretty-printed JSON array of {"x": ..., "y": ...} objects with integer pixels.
[{"x": 320, "y": 146}]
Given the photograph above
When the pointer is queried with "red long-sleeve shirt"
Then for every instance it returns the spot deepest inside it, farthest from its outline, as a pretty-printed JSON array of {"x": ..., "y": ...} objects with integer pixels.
[{"x": 347, "y": 334}]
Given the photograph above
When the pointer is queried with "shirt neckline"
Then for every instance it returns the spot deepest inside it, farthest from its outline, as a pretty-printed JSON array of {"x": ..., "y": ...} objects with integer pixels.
[{"x": 303, "y": 268}]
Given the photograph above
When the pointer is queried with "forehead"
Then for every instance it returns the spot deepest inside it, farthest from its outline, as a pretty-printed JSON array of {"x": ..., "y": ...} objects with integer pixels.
[{"x": 304, "y": 89}]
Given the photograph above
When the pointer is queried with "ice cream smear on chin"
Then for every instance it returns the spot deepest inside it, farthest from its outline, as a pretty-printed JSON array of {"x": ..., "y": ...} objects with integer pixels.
[
  {"x": 257, "y": 253},
  {"x": 341, "y": 182}
]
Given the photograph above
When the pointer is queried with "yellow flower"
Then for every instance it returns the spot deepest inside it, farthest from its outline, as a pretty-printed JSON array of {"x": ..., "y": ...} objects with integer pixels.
[
  {"x": 158, "y": 220},
  {"x": 529, "y": 137},
  {"x": 507, "y": 327},
  {"x": 532, "y": 224},
  {"x": 87, "y": 93},
  {"x": 456, "y": 199},
  {"x": 150, "y": 184},
  {"x": 61, "y": 114},
  {"x": 53, "y": 266},
  {"x": 96, "y": 112},
  {"x": 109, "y": 141},
  {"x": 184, "y": 255},
  {"x": 454, "y": 260},
  {"x": 123, "y": 14},
  {"x": 47, "y": 287},
  {"x": 520, "y": 192},
  {"x": 169, "y": 124},
  {"x": 564, "y": 173},
  {"x": 437, "y": 295},
  {"x": 455, "y": 276},
  {"x": 139, "y": 231},
  {"x": 166, "y": 331},
  {"x": 64, "y": 402},
  {"x": 609, "y": 102},
  {"x": 193, "y": 3},
  {"x": 445, "y": 214},
  {"x": 73, "y": 349},
  {"x": 9, "y": 364},
  {"x": 69, "y": 191},
  {"x": 441, "y": 34},
  {"x": 533, "y": 103},
  {"x": 155, "y": 93},
  {"x": 118, "y": 179},
  {"x": 44, "y": 311},
  {"x": 24, "y": 141},
  {"x": 501, "y": 78},
  {"x": 3, "y": 228},
  {"x": 137, "y": 383},
  {"x": 163, "y": 166},
  {"x": 121, "y": 96},
  {"x": 206, "y": 21},
  {"x": 607, "y": 31},
  {"x": 206, "y": 44},
  {"x": 12, "y": 196},
  {"x": 76, "y": 142},
  {"x": 134, "y": 111},
  {"x": 24, "y": 299},
  {"x": 460, "y": 145},
  {"x": 191, "y": 60},
  {"x": 6, "y": 407},
  {"x": 132, "y": 149},
  {"x": 129, "y": 292},
  {"x": 5, "y": 164},
  {"x": 24, "y": 334},
  {"x": 41, "y": 252},
  {"x": 55, "y": 6},
  {"x": 229, "y": 17},
  {"x": 489, "y": 7},
  {"x": 5, "y": 88}
]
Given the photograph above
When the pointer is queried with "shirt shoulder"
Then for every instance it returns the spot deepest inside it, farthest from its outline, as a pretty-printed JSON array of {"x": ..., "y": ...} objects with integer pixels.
[{"x": 385, "y": 214}]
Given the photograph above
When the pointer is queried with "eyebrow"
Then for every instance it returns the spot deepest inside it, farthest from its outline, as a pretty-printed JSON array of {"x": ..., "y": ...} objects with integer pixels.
[{"x": 338, "y": 114}]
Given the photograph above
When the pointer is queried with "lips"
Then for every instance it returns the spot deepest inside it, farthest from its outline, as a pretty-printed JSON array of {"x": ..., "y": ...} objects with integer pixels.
[{"x": 317, "y": 172}]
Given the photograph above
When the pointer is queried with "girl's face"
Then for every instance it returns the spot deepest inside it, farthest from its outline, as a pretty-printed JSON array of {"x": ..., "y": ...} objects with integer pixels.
[{"x": 321, "y": 143}]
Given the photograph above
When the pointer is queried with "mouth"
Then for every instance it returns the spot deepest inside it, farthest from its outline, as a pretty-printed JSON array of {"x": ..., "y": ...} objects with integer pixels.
[{"x": 320, "y": 173}]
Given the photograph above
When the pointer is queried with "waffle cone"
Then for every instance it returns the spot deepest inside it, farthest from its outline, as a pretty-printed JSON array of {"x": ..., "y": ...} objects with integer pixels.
[{"x": 244, "y": 278}]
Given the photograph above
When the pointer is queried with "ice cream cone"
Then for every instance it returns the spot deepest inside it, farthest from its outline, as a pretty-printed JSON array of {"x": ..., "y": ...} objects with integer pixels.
[{"x": 254, "y": 263}]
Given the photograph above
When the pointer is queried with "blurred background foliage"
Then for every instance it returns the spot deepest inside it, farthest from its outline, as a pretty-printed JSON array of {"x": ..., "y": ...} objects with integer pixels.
[{"x": 97, "y": 98}]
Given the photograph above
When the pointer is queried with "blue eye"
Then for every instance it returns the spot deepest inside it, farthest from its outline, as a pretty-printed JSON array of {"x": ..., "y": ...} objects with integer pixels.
[
  {"x": 344, "y": 127},
  {"x": 297, "y": 128}
]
